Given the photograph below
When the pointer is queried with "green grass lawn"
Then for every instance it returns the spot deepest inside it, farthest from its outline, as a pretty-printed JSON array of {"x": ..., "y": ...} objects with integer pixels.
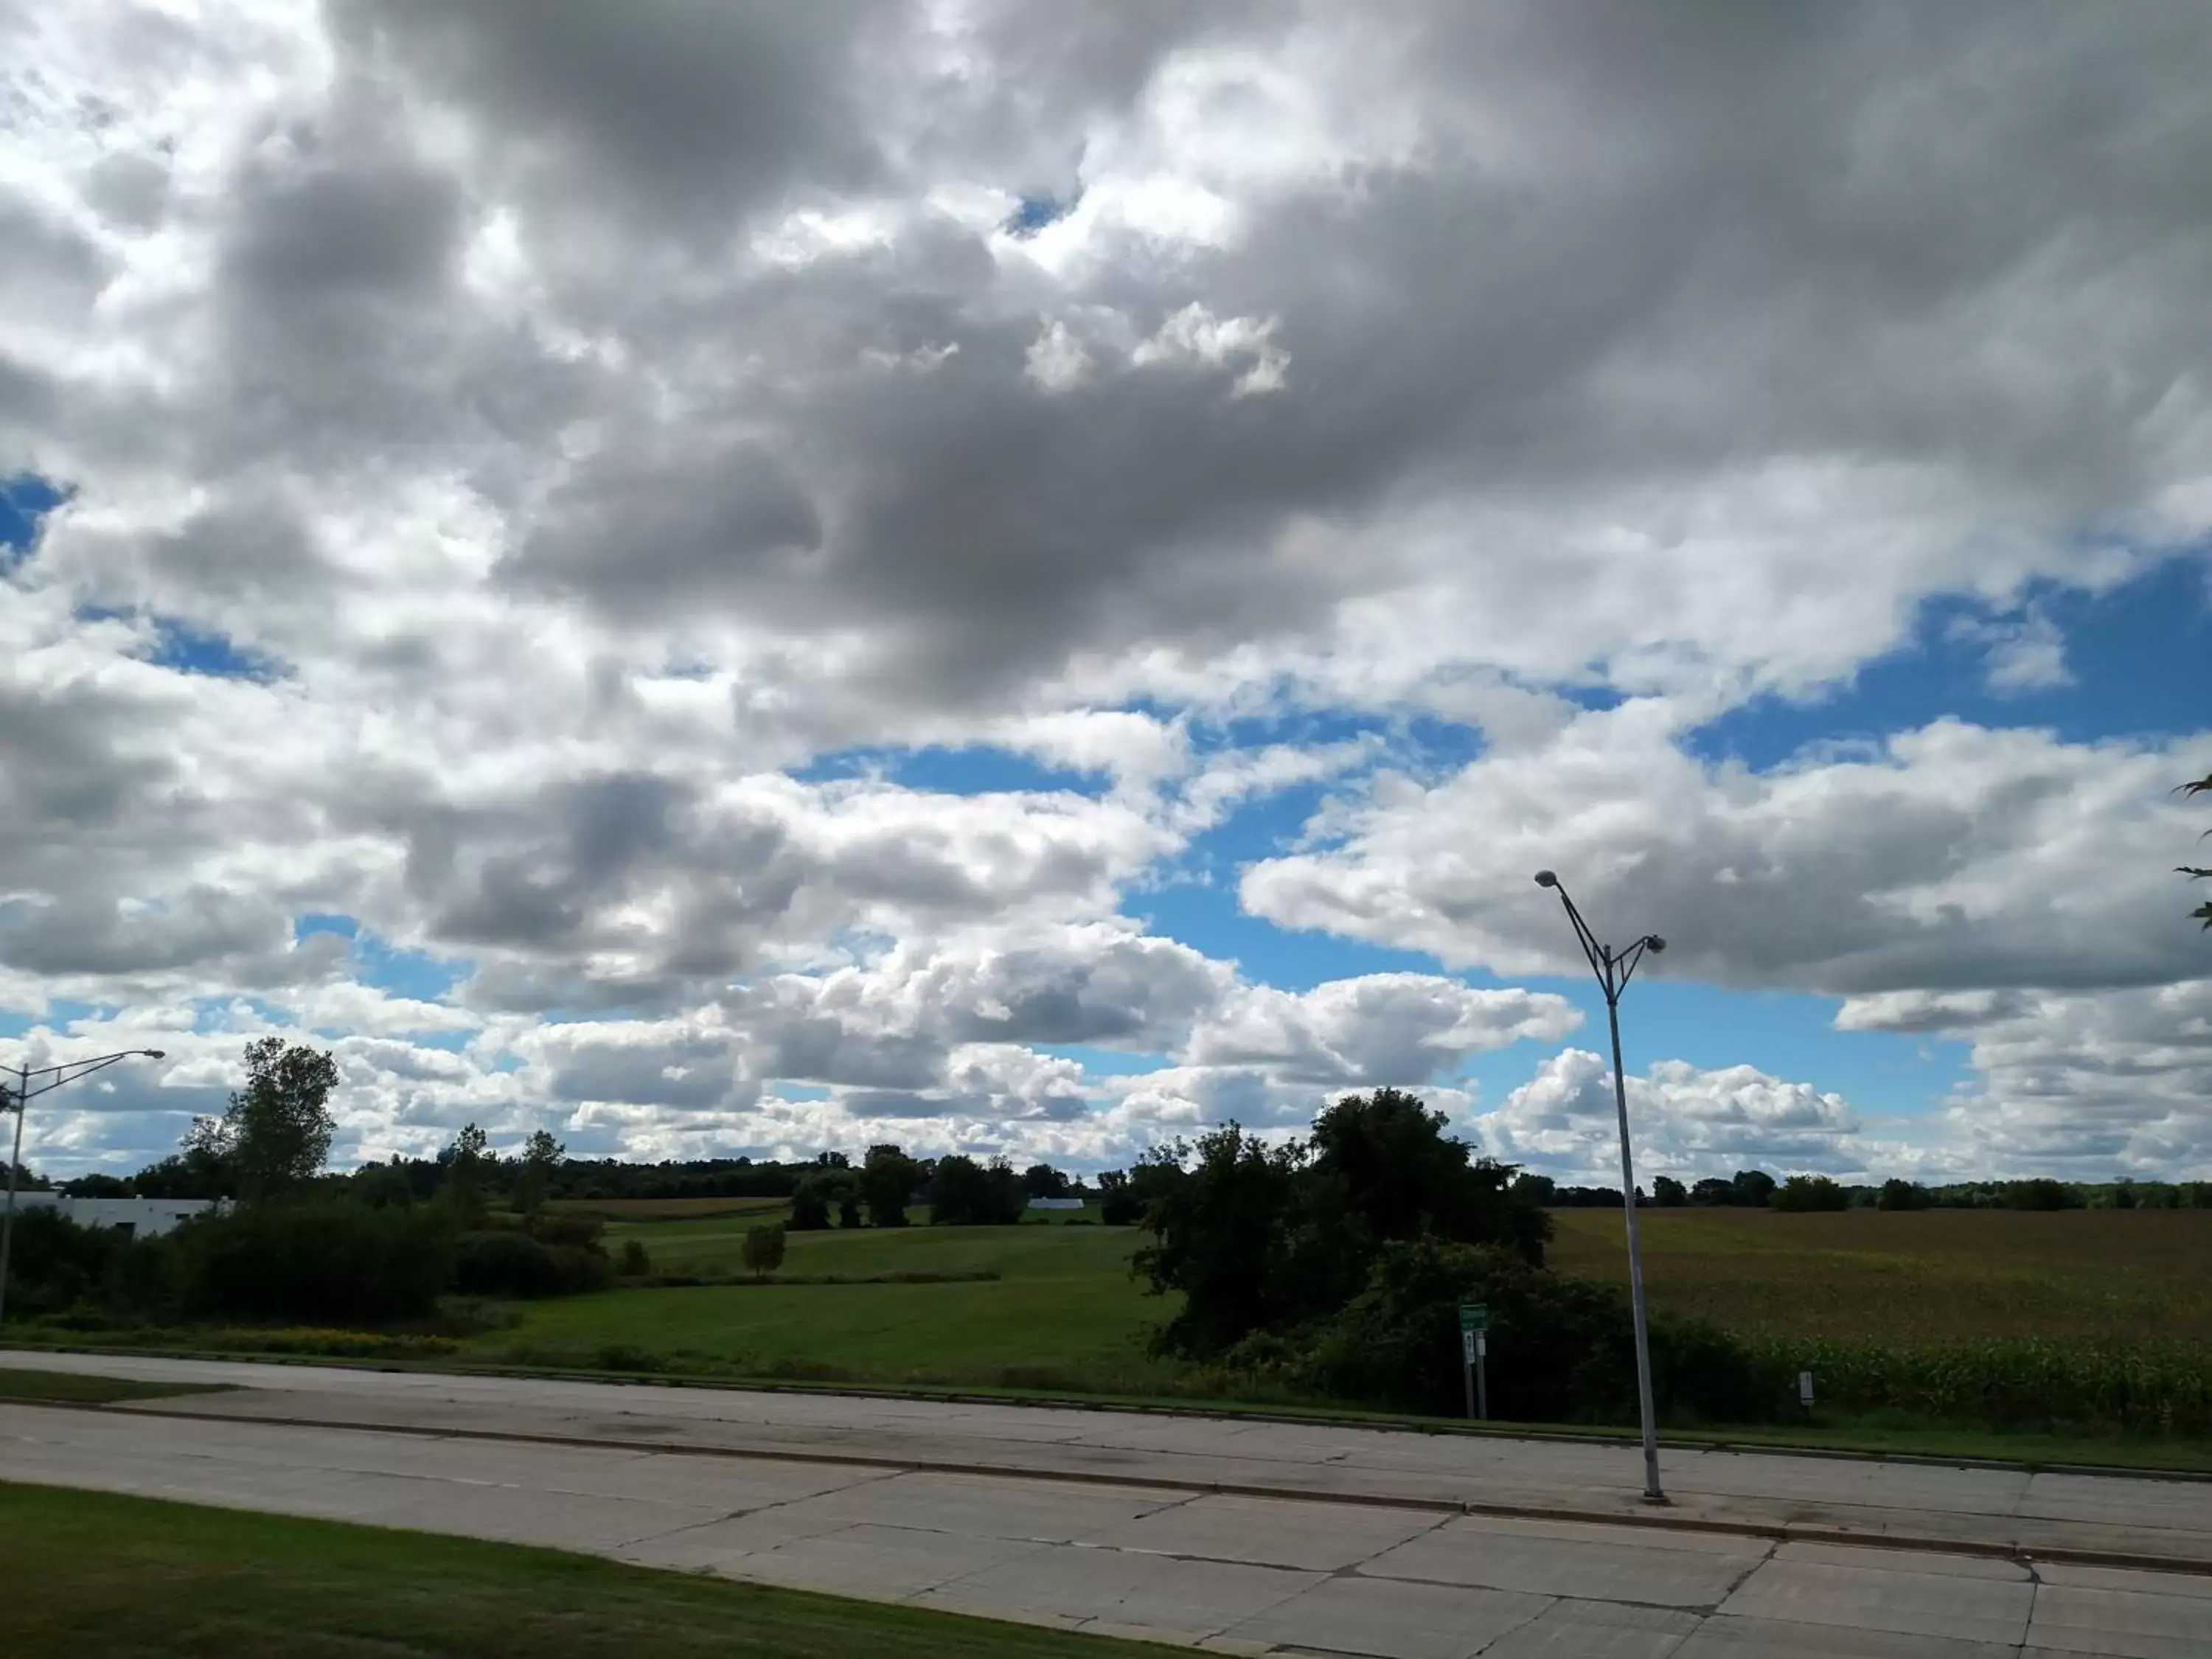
[
  {"x": 65, "y": 1388},
  {"x": 93, "y": 1574},
  {"x": 1064, "y": 1310}
]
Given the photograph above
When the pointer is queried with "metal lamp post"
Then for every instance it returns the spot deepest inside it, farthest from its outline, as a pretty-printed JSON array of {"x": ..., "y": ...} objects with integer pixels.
[
  {"x": 30, "y": 1081},
  {"x": 1613, "y": 969}
]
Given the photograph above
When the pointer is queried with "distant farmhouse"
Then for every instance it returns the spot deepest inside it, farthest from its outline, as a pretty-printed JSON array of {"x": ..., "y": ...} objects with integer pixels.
[
  {"x": 1056, "y": 1203},
  {"x": 134, "y": 1218}
]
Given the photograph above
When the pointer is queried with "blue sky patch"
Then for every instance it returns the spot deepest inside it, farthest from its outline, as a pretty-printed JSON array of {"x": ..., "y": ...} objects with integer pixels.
[
  {"x": 2137, "y": 656},
  {"x": 25, "y": 500}
]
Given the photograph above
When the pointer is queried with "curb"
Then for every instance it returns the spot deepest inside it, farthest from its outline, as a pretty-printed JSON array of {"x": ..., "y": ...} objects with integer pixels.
[
  {"x": 1229, "y": 1413},
  {"x": 1523, "y": 1511}
]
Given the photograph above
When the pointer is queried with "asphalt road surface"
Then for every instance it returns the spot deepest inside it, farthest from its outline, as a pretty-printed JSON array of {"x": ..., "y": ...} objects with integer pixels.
[{"x": 1248, "y": 1537}]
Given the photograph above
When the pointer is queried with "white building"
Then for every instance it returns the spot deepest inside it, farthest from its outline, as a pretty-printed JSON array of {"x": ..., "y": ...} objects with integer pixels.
[
  {"x": 1056, "y": 1203},
  {"x": 135, "y": 1218}
]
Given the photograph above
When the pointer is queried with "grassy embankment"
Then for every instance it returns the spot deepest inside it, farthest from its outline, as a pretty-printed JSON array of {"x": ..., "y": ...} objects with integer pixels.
[{"x": 117, "y": 1576}]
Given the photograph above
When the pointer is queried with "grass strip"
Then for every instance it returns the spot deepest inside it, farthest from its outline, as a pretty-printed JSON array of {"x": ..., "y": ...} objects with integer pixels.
[
  {"x": 127, "y": 1576},
  {"x": 69, "y": 1389}
]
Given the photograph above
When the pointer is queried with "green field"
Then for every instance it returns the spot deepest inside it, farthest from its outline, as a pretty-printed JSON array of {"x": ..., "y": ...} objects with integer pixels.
[
  {"x": 1063, "y": 1312},
  {"x": 120, "y": 1576},
  {"x": 1915, "y": 1279},
  {"x": 1878, "y": 1304},
  {"x": 669, "y": 1209}
]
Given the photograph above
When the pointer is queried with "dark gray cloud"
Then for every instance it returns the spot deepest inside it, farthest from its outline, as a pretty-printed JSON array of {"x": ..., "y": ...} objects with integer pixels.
[{"x": 698, "y": 111}]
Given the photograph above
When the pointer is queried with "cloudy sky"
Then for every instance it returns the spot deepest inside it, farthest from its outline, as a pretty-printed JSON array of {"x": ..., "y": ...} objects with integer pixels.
[{"x": 747, "y": 577}]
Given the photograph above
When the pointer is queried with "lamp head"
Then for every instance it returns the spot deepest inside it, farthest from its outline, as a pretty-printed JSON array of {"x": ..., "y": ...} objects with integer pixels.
[
  {"x": 1546, "y": 878},
  {"x": 153, "y": 1053},
  {"x": 1654, "y": 944}
]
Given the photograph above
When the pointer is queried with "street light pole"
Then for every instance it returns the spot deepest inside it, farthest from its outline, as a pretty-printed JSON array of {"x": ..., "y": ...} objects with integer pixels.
[
  {"x": 47, "y": 1078},
  {"x": 1613, "y": 969}
]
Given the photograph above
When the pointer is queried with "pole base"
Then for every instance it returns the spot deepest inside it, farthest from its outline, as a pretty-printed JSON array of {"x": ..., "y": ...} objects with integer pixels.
[{"x": 1658, "y": 1500}]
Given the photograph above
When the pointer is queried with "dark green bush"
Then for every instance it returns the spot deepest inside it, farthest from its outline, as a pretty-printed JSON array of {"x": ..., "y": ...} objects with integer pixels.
[
  {"x": 513, "y": 1264},
  {"x": 583, "y": 1232},
  {"x": 636, "y": 1262},
  {"x": 1810, "y": 1192},
  {"x": 1561, "y": 1350},
  {"x": 324, "y": 1261},
  {"x": 58, "y": 1266}
]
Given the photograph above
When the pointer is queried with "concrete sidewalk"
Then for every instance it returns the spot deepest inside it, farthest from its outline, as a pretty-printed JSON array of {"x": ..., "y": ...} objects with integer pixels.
[
  {"x": 1235, "y": 1575},
  {"x": 2085, "y": 1519}
]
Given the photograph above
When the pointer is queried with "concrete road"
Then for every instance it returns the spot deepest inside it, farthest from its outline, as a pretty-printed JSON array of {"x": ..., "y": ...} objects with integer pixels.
[{"x": 1127, "y": 1548}]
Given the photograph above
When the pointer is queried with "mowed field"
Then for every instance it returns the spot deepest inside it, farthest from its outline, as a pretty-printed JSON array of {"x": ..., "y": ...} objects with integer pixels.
[
  {"x": 1063, "y": 1312},
  {"x": 1914, "y": 1279}
]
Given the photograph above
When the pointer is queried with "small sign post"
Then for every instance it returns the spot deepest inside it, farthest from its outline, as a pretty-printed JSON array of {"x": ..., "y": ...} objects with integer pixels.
[
  {"x": 1475, "y": 1354},
  {"x": 1805, "y": 1389}
]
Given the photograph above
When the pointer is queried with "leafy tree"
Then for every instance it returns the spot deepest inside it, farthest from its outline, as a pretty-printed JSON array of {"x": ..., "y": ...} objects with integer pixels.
[
  {"x": 965, "y": 1193},
  {"x": 1713, "y": 1191},
  {"x": 382, "y": 1187},
  {"x": 1810, "y": 1192},
  {"x": 1755, "y": 1189},
  {"x": 276, "y": 1133},
  {"x": 1667, "y": 1193},
  {"x": 1536, "y": 1189},
  {"x": 541, "y": 1156},
  {"x": 763, "y": 1247},
  {"x": 1386, "y": 1157},
  {"x": 887, "y": 1182},
  {"x": 1229, "y": 1234},
  {"x": 1042, "y": 1181},
  {"x": 810, "y": 1206},
  {"x": 849, "y": 1208},
  {"x": 1898, "y": 1194},
  {"x": 466, "y": 1160},
  {"x": 1118, "y": 1203},
  {"x": 2203, "y": 912}
]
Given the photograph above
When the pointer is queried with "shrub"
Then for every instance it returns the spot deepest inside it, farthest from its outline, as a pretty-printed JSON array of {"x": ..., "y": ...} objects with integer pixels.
[
  {"x": 513, "y": 1264},
  {"x": 323, "y": 1262},
  {"x": 1561, "y": 1350},
  {"x": 635, "y": 1262},
  {"x": 764, "y": 1247},
  {"x": 56, "y": 1264},
  {"x": 581, "y": 1232},
  {"x": 1118, "y": 1203}
]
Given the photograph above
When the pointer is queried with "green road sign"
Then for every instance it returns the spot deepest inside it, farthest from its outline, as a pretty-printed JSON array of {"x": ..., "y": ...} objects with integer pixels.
[{"x": 1474, "y": 1316}]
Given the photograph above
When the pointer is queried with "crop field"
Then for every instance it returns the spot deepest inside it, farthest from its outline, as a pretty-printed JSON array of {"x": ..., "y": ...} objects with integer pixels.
[{"x": 1916, "y": 1278}]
